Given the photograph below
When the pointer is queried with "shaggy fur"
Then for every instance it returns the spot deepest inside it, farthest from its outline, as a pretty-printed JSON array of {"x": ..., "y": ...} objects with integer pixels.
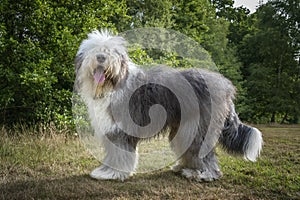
[{"x": 127, "y": 104}]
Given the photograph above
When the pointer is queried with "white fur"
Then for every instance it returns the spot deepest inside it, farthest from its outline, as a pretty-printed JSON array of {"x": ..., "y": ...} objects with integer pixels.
[
  {"x": 102, "y": 123},
  {"x": 94, "y": 38},
  {"x": 254, "y": 145},
  {"x": 197, "y": 175},
  {"x": 133, "y": 69},
  {"x": 118, "y": 168},
  {"x": 103, "y": 173},
  {"x": 101, "y": 120}
]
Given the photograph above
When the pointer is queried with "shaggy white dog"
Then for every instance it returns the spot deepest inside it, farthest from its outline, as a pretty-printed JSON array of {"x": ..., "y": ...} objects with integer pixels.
[{"x": 127, "y": 104}]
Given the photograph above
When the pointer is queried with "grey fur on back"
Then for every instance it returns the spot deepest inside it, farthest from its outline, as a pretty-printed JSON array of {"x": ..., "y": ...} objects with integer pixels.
[{"x": 213, "y": 95}]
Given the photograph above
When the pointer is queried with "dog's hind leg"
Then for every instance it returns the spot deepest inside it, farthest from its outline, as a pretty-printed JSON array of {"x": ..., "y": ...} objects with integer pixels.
[
  {"x": 201, "y": 169},
  {"x": 121, "y": 157},
  {"x": 192, "y": 166}
]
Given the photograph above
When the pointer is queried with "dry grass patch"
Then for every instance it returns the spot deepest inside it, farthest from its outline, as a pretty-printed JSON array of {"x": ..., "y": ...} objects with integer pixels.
[{"x": 51, "y": 165}]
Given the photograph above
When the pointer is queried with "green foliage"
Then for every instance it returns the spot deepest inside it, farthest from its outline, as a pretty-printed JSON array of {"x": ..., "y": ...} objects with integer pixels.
[
  {"x": 39, "y": 40},
  {"x": 270, "y": 55},
  {"x": 191, "y": 16},
  {"x": 150, "y": 13},
  {"x": 217, "y": 41},
  {"x": 259, "y": 52},
  {"x": 266, "y": 44}
]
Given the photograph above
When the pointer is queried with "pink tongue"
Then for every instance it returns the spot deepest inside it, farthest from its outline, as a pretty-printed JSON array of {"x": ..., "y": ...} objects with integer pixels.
[{"x": 99, "y": 77}]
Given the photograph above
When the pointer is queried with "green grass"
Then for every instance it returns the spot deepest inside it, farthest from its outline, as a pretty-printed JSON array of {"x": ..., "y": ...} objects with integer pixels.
[{"x": 52, "y": 165}]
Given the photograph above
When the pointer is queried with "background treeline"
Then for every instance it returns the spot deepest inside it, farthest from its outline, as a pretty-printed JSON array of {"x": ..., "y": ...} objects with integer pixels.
[{"x": 259, "y": 52}]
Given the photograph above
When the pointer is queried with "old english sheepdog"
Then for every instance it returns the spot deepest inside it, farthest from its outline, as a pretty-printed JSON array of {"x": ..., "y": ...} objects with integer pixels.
[{"x": 127, "y": 104}]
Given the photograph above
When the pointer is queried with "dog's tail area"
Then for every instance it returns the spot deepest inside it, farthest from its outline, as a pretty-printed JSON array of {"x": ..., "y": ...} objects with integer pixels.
[{"x": 238, "y": 138}]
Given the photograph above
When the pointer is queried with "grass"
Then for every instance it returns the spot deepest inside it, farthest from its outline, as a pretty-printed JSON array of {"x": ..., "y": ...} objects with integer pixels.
[{"x": 51, "y": 165}]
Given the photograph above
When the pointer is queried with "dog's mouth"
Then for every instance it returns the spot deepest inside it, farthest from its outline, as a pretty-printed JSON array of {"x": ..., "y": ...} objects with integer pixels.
[
  {"x": 99, "y": 76},
  {"x": 103, "y": 81}
]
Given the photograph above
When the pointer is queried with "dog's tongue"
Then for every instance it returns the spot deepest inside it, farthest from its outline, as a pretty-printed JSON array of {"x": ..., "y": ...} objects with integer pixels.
[{"x": 99, "y": 77}]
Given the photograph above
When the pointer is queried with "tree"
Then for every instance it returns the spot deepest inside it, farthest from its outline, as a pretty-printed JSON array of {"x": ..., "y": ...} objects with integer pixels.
[
  {"x": 271, "y": 58},
  {"x": 198, "y": 20},
  {"x": 191, "y": 16},
  {"x": 239, "y": 19},
  {"x": 150, "y": 13},
  {"x": 39, "y": 40}
]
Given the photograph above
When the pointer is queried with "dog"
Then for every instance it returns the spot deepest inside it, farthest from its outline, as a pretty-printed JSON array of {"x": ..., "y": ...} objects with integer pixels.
[{"x": 127, "y": 104}]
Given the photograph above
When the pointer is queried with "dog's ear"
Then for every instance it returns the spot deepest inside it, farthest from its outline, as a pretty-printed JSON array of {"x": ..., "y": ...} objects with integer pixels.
[
  {"x": 124, "y": 62},
  {"x": 123, "y": 70},
  {"x": 124, "y": 65},
  {"x": 78, "y": 62}
]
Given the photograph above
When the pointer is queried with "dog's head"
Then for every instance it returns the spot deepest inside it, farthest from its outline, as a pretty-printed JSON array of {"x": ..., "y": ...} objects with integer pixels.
[{"x": 101, "y": 62}]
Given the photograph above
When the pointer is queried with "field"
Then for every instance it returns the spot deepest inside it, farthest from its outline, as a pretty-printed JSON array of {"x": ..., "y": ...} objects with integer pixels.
[{"x": 51, "y": 165}]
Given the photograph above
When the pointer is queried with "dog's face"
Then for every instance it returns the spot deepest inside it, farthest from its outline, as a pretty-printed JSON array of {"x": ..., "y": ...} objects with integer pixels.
[{"x": 101, "y": 62}]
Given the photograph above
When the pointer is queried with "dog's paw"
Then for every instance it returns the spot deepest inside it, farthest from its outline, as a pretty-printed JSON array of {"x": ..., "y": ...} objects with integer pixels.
[
  {"x": 200, "y": 176},
  {"x": 106, "y": 173},
  {"x": 176, "y": 168}
]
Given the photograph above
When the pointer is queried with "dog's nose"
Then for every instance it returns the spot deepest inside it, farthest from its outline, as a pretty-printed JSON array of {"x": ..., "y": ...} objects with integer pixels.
[{"x": 100, "y": 58}]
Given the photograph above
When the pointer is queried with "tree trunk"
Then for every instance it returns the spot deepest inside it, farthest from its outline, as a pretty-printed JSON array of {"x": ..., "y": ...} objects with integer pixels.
[
  {"x": 273, "y": 118},
  {"x": 284, "y": 118}
]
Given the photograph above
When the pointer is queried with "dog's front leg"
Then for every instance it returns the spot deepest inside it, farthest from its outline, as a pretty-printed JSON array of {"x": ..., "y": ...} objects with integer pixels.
[{"x": 121, "y": 157}]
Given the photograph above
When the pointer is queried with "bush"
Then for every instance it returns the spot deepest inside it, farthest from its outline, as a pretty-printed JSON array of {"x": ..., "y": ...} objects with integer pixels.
[{"x": 38, "y": 43}]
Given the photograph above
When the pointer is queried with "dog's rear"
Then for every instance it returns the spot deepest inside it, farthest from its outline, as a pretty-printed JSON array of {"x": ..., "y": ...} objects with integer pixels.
[{"x": 238, "y": 138}]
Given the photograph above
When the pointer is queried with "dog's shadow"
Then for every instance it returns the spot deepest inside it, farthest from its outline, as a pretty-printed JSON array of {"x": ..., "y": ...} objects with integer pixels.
[{"x": 84, "y": 187}]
